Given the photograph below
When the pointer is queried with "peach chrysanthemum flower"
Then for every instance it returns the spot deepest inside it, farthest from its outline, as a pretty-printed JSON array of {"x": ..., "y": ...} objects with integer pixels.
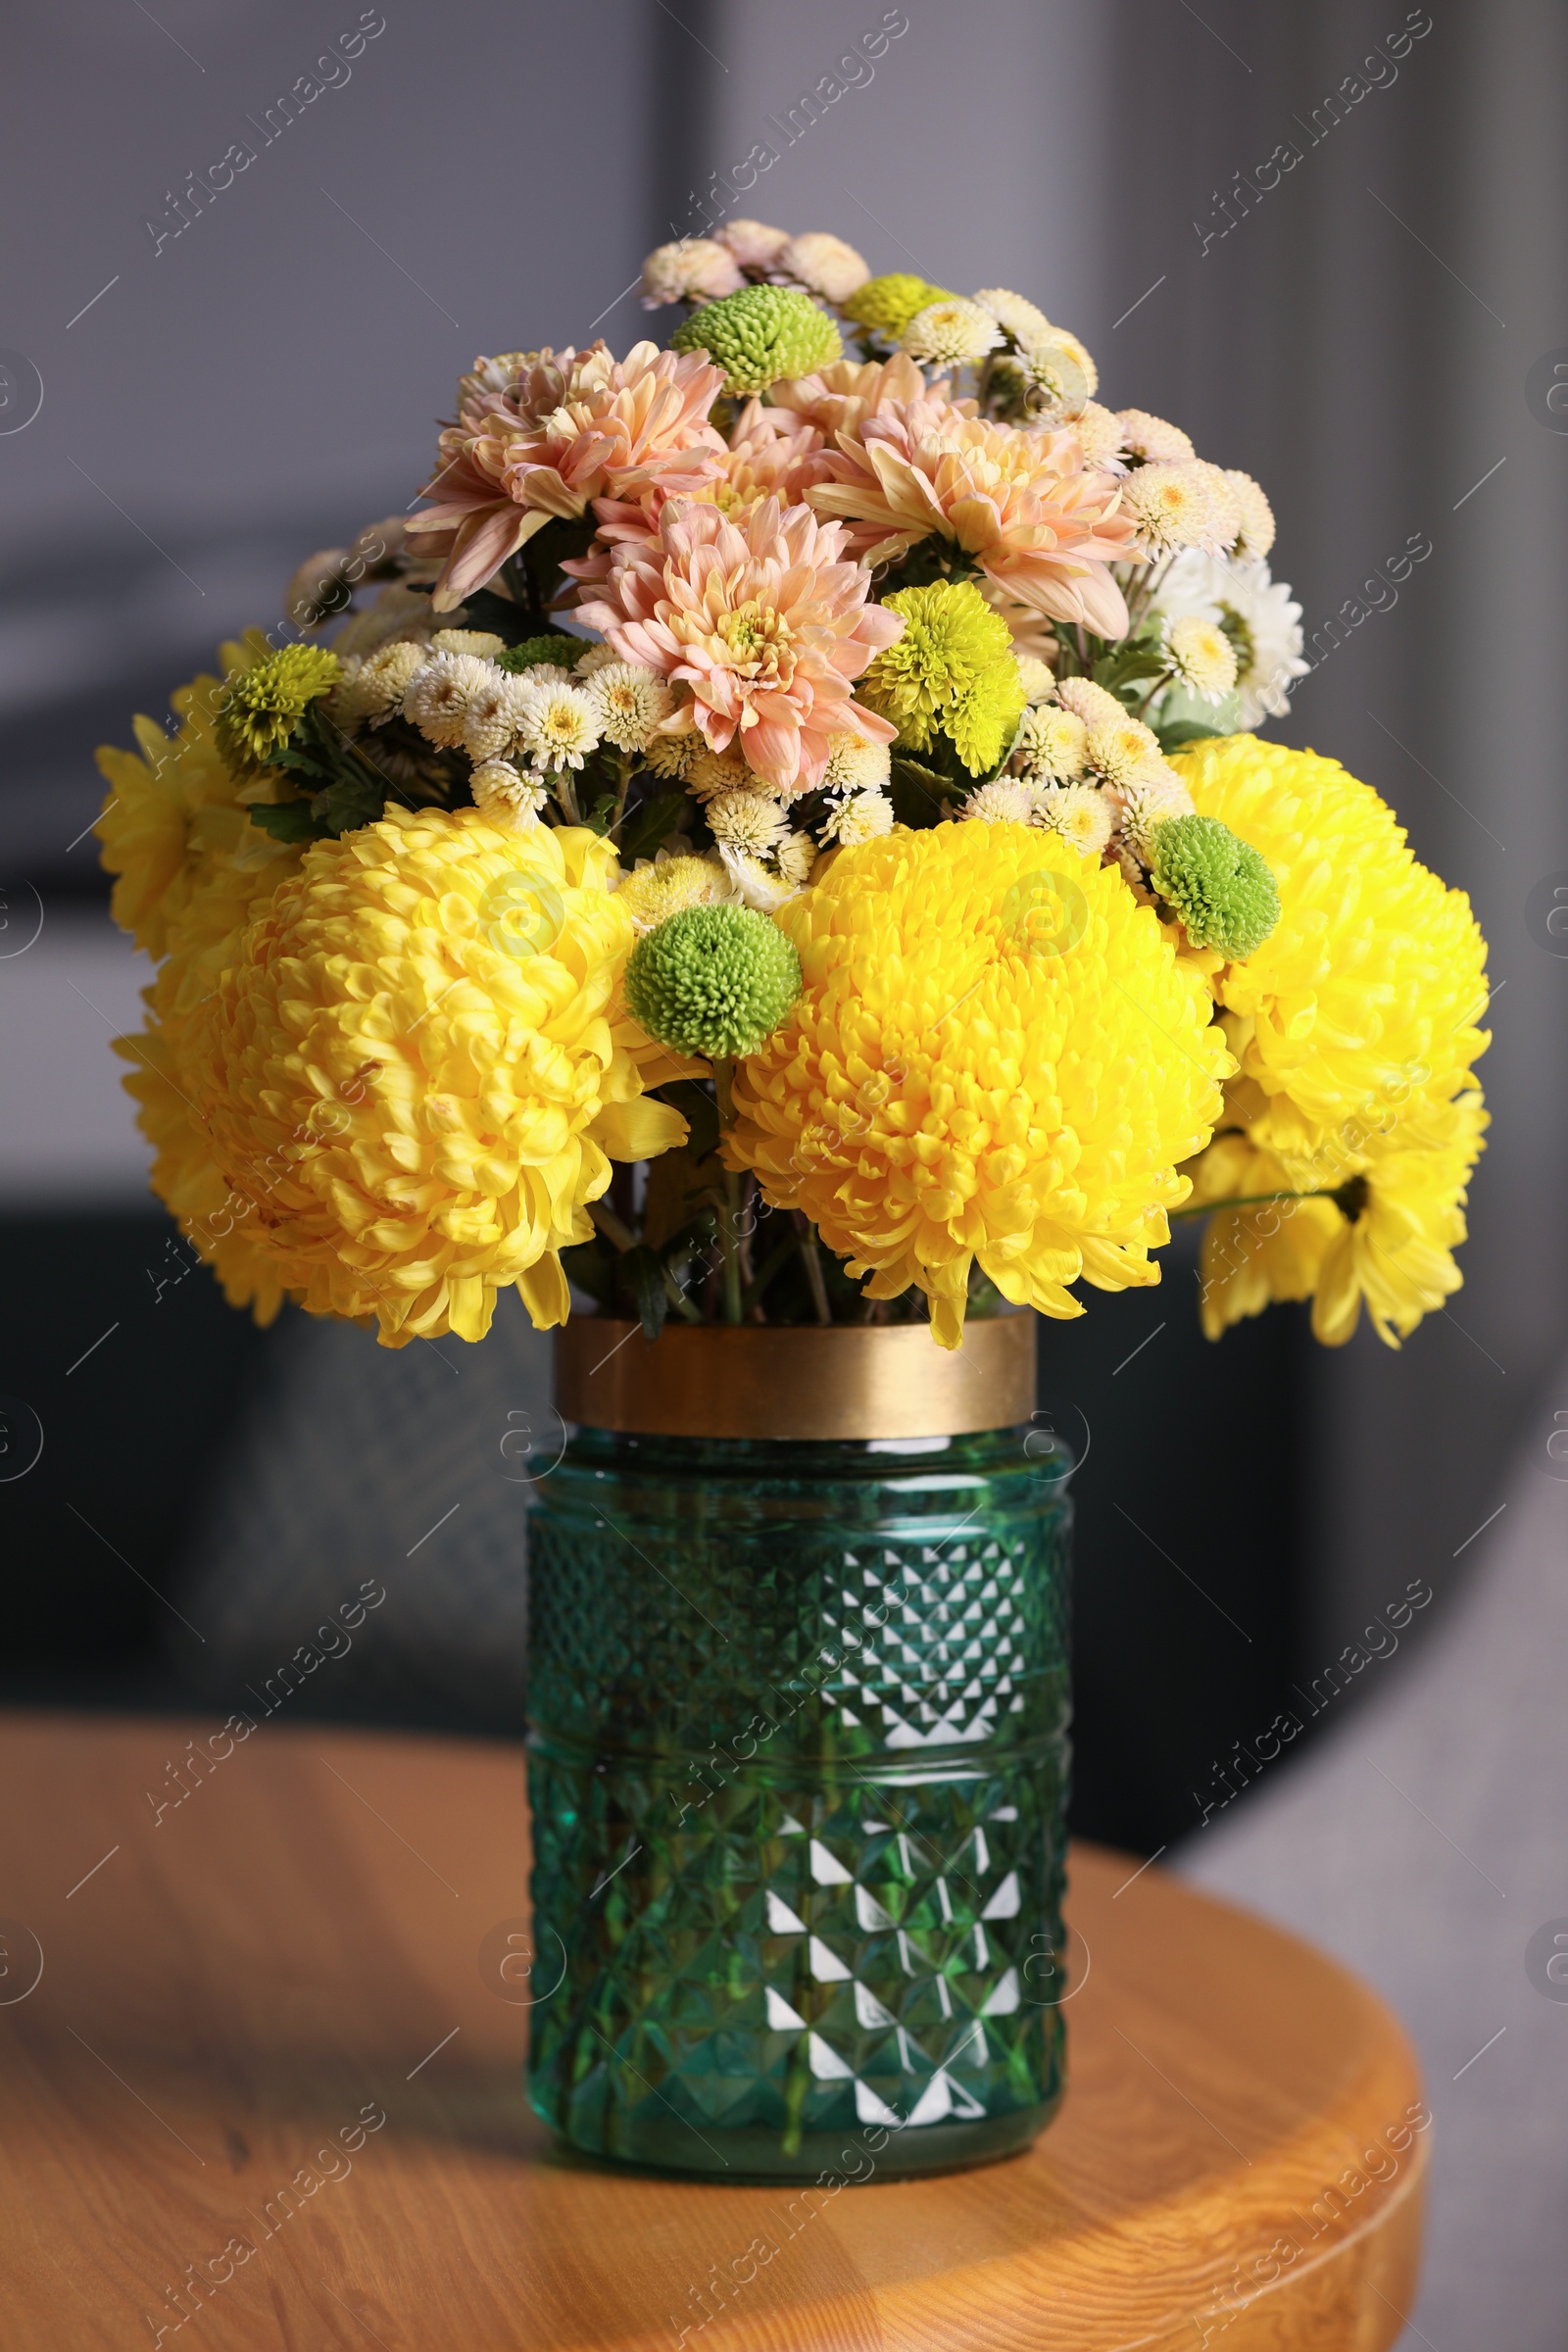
[
  {"x": 1021, "y": 504},
  {"x": 771, "y": 454},
  {"x": 836, "y": 397},
  {"x": 579, "y": 425},
  {"x": 759, "y": 626}
]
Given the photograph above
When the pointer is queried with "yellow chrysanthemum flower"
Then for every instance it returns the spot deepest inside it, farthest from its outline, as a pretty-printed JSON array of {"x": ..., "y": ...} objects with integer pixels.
[
  {"x": 1354, "y": 1028},
  {"x": 411, "y": 1069},
  {"x": 1374, "y": 977},
  {"x": 154, "y": 831},
  {"x": 240, "y": 870},
  {"x": 1383, "y": 1231},
  {"x": 997, "y": 1056}
]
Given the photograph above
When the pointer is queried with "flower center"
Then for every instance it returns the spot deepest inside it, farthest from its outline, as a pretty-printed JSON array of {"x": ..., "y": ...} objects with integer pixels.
[{"x": 759, "y": 640}]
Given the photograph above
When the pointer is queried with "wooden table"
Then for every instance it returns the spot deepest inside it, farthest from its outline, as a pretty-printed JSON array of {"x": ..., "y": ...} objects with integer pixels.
[{"x": 262, "y": 2091}]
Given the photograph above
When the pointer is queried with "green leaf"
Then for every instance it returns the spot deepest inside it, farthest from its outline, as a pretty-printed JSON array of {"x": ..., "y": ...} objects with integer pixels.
[
  {"x": 285, "y": 821},
  {"x": 921, "y": 796},
  {"x": 649, "y": 825},
  {"x": 589, "y": 1266},
  {"x": 1183, "y": 730},
  {"x": 348, "y": 802},
  {"x": 696, "y": 1105},
  {"x": 600, "y": 815},
  {"x": 642, "y": 1270}
]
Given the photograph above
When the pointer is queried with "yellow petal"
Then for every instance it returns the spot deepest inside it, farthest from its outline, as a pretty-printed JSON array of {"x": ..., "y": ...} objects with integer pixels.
[
  {"x": 638, "y": 1130},
  {"x": 544, "y": 1293}
]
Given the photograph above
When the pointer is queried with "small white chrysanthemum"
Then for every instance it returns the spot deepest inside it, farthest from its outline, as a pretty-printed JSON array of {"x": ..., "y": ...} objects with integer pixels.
[
  {"x": 556, "y": 723},
  {"x": 438, "y": 695},
  {"x": 745, "y": 822},
  {"x": 374, "y": 688},
  {"x": 492, "y": 715},
  {"x": 795, "y": 858},
  {"x": 1119, "y": 748},
  {"x": 855, "y": 765},
  {"x": 1079, "y": 813},
  {"x": 1145, "y": 802},
  {"x": 823, "y": 265},
  {"x": 1097, "y": 432},
  {"x": 1202, "y": 656},
  {"x": 1255, "y": 535},
  {"x": 630, "y": 700},
  {"x": 1172, "y": 506},
  {"x": 1152, "y": 440},
  {"x": 548, "y": 674},
  {"x": 1022, "y": 320},
  {"x": 1004, "y": 801},
  {"x": 863, "y": 816},
  {"x": 674, "y": 756},
  {"x": 754, "y": 884},
  {"x": 1225, "y": 506},
  {"x": 1259, "y": 616},
  {"x": 755, "y": 245},
  {"x": 714, "y": 772},
  {"x": 1087, "y": 700},
  {"x": 1034, "y": 677},
  {"x": 597, "y": 657},
  {"x": 692, "y": 269},
  {"x": 480, "y": 642},
  {"x": 1058, "y": 365},
  {"x": 497, "y": 786},
  {"x": 951, "y": 333},
  {"x": 1050, "y": 744}
]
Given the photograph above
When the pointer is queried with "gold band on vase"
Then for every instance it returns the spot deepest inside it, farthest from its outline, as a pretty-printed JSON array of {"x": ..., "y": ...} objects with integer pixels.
[{"x": 844, "y": 1381}]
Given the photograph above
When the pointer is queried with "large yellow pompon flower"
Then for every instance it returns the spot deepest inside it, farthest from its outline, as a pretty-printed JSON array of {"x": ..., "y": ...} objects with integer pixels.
[
  {"x": 409, "y": 1072},
  {"x": 997, "y": 1056},
  {"x": 1374, "y": 978},
  {"x": 156, "y": 830},
  {"x": 1355, "y": 1028},
  {"x": 241, "y": 869}
]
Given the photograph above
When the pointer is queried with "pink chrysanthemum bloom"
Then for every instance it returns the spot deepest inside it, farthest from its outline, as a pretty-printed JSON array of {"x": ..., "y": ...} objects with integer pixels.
[
  {"x": 759, "y": 626},
  {"x": 771, "y": 454},
  {"x": 575, "y": 426},
  {"x": 1023, "y": 505},
  {"x": 836, "y": 399}
]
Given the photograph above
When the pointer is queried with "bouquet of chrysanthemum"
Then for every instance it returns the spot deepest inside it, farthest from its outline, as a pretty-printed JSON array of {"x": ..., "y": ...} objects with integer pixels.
[{"x": 876, "y": 917}]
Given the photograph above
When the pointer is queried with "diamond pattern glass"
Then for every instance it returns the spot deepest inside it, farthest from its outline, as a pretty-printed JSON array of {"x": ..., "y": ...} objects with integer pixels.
[{"x": 797, "y": 1766}]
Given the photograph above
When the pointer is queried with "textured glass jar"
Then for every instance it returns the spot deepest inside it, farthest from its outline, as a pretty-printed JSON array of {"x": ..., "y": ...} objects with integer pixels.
[{"x": 797, "y": 1771}]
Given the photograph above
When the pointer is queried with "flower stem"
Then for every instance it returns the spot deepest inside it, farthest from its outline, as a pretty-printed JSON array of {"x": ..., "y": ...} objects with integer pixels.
[
  {"x": 1213, "y": 1208},
  {"x": 812, "y": 1255},
  {"x": 729, "y": 1243}
]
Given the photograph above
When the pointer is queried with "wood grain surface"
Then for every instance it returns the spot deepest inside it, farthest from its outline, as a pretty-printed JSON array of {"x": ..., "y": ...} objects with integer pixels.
[{"x": 262, "y": 2096}]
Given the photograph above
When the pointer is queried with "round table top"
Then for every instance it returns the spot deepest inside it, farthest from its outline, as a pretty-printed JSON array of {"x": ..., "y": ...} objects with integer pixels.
[{"x": 267, "y": 2084}]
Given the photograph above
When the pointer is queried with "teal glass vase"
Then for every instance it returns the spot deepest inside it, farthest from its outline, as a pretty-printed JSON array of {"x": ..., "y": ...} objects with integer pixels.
[{"x": 797, "y": 1771}]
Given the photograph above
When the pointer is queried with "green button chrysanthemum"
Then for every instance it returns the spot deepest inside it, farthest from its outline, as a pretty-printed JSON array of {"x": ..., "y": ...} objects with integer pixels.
[
  {"x": 262, "y": 704},
  {"x": 1217, "y": 883},
  {"x": 759, "y": 335},
  {"x": 553, "y": 646},
  {"x": 952, "y": 672},
  {"x": 886, "y": 304},
  {"x": 713, "y": 981}
]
